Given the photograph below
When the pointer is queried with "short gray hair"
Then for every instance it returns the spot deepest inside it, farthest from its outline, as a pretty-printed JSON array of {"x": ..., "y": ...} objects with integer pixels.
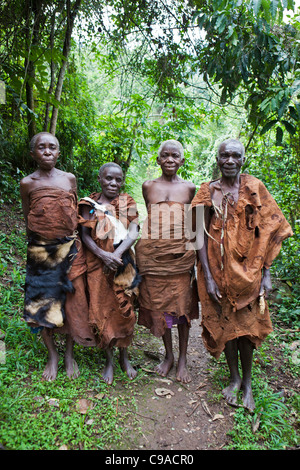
[
  {"x": 35, "y": 137},
  {"x": 107, "y": 165},
  {"x": 232, "y": 140},
  {"x": 174, "y": 142}
]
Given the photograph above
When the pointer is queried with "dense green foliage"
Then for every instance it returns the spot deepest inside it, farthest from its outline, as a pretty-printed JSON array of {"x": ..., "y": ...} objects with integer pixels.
[{"x": 112, "y": 80}]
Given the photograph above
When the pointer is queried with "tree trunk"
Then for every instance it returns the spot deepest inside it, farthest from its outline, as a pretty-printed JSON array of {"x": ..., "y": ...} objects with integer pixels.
[
  {"x": 71, "y": 15},
  {"x": 32, "y": 39},
  {"x": 31, "y": 123},
  {"x": 52, "y": 73}
]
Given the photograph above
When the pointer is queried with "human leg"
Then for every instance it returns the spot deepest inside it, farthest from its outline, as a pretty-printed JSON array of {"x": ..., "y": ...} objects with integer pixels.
[
  {"x": 164, "y": 367},
  {"x": 125, "y": 364},
  {"x": 70, "y": 363},
  {"x": 231, "y": 353},
  {"x": 108, "y": 371},
  {"x": 246, "y": 353},
  {"x": 182, "y": 372},
  {"x": 50, "y": 371}
]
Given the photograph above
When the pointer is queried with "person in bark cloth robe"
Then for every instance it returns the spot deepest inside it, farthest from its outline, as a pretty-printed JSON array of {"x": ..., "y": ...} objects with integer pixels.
[
  {"x": 244, "y": 229},
  {"x": 54, "y": 285},
  {"x": 109, "y": 224},
  {"x": 168, "y": 295}
]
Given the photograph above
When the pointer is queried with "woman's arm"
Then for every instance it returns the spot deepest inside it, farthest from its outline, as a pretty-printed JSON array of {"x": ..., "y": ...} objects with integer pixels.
[{"x": 111, "y": 260}]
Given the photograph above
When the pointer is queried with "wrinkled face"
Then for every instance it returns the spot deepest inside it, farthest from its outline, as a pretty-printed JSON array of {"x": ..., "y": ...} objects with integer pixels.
[
  {"x": 46, "y": 151},
  {"x": 170, "y": 159},
  {"x": 111, "y": 181},
  {"x": 230, "y": 159}
]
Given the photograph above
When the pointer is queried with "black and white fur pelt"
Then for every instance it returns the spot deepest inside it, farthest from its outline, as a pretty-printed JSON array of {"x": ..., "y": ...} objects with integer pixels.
[
  {"x": 47, "y": 282},
  {"x": 126, "y": 276}
]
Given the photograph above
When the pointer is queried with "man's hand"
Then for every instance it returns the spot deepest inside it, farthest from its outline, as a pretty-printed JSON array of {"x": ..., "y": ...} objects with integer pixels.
[
  {"x": 266, "y": 283},
  {"x": 213, "y": 290}
]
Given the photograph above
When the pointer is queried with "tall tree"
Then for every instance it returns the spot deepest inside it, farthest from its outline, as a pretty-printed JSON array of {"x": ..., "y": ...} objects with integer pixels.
[
  {"x": 72, "y": 11},
  {"x": 242, "y": 49},
  {"x": 42, "y": 53}
]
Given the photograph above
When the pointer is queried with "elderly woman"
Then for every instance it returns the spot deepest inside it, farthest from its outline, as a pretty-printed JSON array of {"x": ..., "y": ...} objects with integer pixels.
[{"x": 109, "y": 222}]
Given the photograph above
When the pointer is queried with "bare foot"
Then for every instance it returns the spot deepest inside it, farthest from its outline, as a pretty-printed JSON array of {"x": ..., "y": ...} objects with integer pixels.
[
  {"x": 183, "y": 374},
  {"x": 50, "y": 371},
  {"x": 108, "y": 374},
  {"x": 165, "y": 366},
  {"x": 70, "y": 363},
  {"x": 230, "y": 393},
  {"x": 125, "y": 364},
  {"x": 72, "y": 368},
  {"x": 130, "y": 371},
  {"x": 248, "y": 399},
  {"x": 108, "y": 371}
]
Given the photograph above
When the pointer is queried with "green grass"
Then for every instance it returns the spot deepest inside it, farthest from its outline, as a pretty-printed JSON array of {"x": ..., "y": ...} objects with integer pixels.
[
  {"x": 274, "y": 424},
  {"x": 35, "y": 414},
  {"x": 39, "y": 415}
]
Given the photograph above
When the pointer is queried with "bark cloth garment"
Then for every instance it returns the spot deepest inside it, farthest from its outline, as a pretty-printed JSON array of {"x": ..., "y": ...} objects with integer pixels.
[
  {"x": 55, "y": 271},
  {"x": 167, "y": 268},
  {"x": 244, "y": 237},
  {"x": 111, "y": 296}
]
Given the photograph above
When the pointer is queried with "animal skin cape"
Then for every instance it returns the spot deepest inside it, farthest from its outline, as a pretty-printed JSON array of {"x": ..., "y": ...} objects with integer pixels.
[
  {"x": 111, "y": 295},
  {"x": 52, "y": 221},
  {"x": 239, "y": 246},
  {"x": 55, "y": 285}
]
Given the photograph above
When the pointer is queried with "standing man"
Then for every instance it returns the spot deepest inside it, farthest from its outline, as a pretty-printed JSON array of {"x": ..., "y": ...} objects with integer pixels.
[
  {"x": 167, "y": 295},
  {"x": 245, "y": 229}
]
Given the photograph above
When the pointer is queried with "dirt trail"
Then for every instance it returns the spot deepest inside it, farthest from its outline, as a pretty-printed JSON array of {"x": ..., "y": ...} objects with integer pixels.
[{"x": 186, "y": 418}]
